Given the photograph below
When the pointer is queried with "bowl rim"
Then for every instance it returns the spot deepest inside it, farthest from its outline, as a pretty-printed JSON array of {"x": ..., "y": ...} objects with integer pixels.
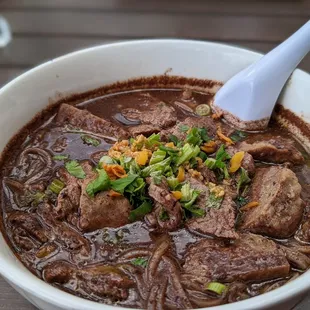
[{"x": 43, "y": 291}]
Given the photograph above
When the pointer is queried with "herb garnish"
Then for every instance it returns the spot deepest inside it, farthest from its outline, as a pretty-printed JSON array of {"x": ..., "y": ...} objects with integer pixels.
[
  {"x": 140, "y": 261},
  {"x": 75, "y": 169}
]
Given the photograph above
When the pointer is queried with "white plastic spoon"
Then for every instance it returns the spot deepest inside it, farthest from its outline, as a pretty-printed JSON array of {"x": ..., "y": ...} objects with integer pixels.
[{"x": 247, "y": 99}]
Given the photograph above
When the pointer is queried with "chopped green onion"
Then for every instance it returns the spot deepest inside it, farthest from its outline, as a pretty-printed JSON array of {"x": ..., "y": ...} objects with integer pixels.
[
  {"x": 61, "y": 157},
  {"x": 56, "y": 186},
  {"x": 168, "y": 149},
  {"x": 221, "y": 154},
  {"x": 188, "y": 152},
  {"x": 210, "y": 163},
  {"x": 75, "y": 169},
  {"x": 204, "y": 134},
  {"x": 214, "y": 201},
  {"x": 174, "y": 139},
  {"x": 160, "y": 166},
  {"x": 173, "y": 182},
  {"x": 203, "y": 110},
  {"x": 202, "y": 155},
  {"x": 219, "y": 162},
  {"x": 138, "y": 213},
  {"x": 157, "y": 156},
  {"x": 90, "y": 140},
  {"x": 216, "y": 287},
  {"x": 101, "y": 183},
  {"x": 189, "y": 203},
  {"x": 38, "y": 197},
  {"x": 193, "y": 137},
  {"x": 119, "y": 185},
  {"x": 243, "y": 179},
  {"x": 107, "y": 160},
  {"x": 140, "y": 261},
  {"x": 153, "y": 139}
]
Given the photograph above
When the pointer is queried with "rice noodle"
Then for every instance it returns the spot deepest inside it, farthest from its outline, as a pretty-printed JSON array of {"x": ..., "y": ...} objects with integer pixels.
[
  {"x": 45, "y": 158},
  {"x": 202, "y": 300},
  {"x": 155, "y": 259},
  {"x": 152, "y": 302}
]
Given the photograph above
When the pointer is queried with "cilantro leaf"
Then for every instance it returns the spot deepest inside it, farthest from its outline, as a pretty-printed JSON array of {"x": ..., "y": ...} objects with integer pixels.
[
  {"x": 138, "y": 213},
  {"x": 119, "y": 185},
  {"x": 101, "y": 183},
  {"x": 75, "y": 169}
]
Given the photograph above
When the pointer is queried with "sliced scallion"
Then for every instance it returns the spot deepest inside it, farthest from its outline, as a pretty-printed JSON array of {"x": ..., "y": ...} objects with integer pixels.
[
  {"x": 216, "y": 287},
  {"x": 56, "y": 186},
  {"x": 203, "y": 110}
]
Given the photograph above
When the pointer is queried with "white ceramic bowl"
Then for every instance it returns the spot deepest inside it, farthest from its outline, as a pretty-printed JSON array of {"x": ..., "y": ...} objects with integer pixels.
[{"x": 22, "y": 98}]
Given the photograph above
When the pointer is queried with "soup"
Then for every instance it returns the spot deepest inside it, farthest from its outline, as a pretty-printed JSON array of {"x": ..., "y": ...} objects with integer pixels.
[{"x": 145, "y": 199}]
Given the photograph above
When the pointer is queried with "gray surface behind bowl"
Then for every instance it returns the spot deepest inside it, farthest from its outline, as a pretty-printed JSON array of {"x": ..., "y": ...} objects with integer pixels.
[{"x": 10, "y": 300}]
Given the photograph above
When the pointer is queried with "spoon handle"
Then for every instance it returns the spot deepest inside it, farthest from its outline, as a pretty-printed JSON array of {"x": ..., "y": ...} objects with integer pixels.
[
  {"x": 252, "y": 93},
  {"x": 283, "y": 59}
]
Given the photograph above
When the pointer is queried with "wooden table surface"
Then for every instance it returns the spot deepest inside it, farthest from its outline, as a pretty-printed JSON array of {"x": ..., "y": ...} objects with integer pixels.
[{"x": 45, "y": 29}]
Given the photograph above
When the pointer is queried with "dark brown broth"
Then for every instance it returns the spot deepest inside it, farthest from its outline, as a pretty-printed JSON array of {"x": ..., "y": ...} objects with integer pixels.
[{"x": 106, "y": 244}]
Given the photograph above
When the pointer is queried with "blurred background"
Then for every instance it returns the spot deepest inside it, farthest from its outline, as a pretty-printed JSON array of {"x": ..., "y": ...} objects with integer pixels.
[{"x": 45, "y": 29}]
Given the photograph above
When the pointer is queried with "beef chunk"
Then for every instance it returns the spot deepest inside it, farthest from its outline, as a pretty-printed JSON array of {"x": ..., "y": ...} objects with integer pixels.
[
  {"x": 167, "y": 213},
  {"x": 22, "y": 239},
  {"x": 102, "y": 210},
  {"x": 247, "y": 162},
  {"x": 303, "y": 234},
  {"x": 83, "y": 119},
  {"x": 105, "y": 281},
  {"x": 101, "y": 280},
  {"x": 179, "y": 130},
  {"x": 251, "y": 257},
  {"x": 217, "y": 222},
  {"x": 94, "y": 213},
  {"x": 275, "y": 150},
  {"x": 207, "y": 174},
  {"x": 64, "y": 233},
  {"x": 69, "y": 198},
  {"x": 155, "y": 113},
  {"x": 58, "y": 272},
  {"x": 296, "y": 258},
  {"x": 280, "y": 207},
  {"x": 30, "y": 224},
  {"x": 145, "y": 130}
]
